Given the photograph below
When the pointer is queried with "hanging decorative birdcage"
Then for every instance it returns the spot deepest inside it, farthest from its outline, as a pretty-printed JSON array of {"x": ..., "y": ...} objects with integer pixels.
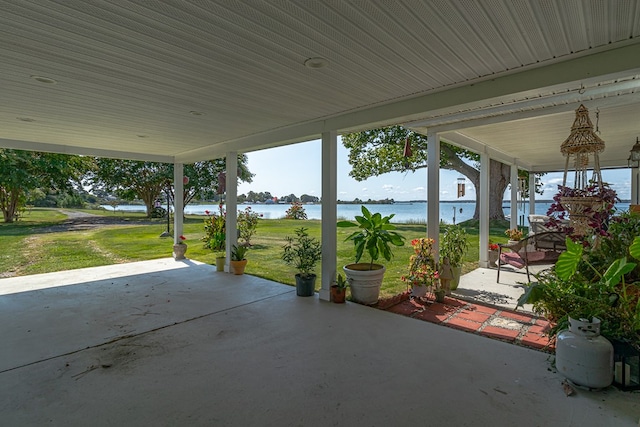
[{"x": 582, "y": 147}]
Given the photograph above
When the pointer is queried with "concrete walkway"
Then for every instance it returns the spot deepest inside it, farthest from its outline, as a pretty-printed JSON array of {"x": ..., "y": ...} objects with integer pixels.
[{"x": 168, "y": 343}]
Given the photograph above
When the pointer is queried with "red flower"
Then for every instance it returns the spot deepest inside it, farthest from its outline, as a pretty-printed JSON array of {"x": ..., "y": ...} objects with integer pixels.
[
  {"x": 182, "y": 237},
  {"x": 207, "y": 212}
]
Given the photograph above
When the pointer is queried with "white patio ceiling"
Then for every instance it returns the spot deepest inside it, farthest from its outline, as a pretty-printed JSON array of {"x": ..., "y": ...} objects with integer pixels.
[{"x": 191, "y": 80}]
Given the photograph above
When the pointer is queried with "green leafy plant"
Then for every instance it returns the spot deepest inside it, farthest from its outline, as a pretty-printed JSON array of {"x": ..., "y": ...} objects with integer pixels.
[
  {"x": 238, "y": 252},
  {"x": 247, "y": 224},
  {"x": 341, "y": 282},
  {"x": 303, "y": 252},
  {"x": 581, "y": 287},
  {"x": 215, "y": 230},
  {"x": 454, "y": 244},
  {"x": 375, "y": 235}
]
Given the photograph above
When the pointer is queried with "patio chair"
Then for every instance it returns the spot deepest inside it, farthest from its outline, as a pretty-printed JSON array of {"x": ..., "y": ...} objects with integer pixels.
[{"x": 537, "y": 249}]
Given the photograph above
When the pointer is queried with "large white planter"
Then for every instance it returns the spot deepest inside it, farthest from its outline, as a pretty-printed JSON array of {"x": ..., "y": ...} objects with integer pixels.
[{"x": 364, "y": 283}]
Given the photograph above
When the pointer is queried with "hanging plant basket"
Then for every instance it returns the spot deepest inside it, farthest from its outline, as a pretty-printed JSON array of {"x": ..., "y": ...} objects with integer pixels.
[{"x": 581, "y": 211}]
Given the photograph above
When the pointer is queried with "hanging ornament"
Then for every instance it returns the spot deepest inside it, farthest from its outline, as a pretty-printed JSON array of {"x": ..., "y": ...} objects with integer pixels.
[
  {"x": 222, "y": 182},
  {"x": 461, "y": 183},
  {"x": 407, "y": 152}
]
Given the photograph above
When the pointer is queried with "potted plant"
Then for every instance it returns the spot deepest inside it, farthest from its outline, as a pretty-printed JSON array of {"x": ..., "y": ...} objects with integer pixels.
[
  {"x": 180, "y": 248},
  {"x": 493, "y": 253},
  {"x": 220, "y": 260},
  {"x": 514, "y": 235},
  {"x": 595, "y": 278},
  {"x": 375, "y": 235},
  {"x": 454, "y": 245},
  {"x": 422, "y": 267},
  {"x": 303, "y": 253},
  {"x": 339, "y": 290},
  {"x": 238, "y": 261}
]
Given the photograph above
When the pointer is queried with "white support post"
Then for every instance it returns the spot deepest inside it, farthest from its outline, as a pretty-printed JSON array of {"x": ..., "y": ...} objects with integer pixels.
[
  {"x": 532, "y": 193},
  {"x": 329, "y": 212},
  {"x": 231, "y": 205},
  {"x": 514, "y": 197},
  {"x": 433, "y": 190},
  {"x": 178, "y": 201},
  {"x": 483, "y": 211},
  {"x": 635, "y": 186}
]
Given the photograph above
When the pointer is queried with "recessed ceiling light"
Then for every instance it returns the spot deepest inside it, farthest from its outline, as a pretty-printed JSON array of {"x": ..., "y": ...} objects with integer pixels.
[
  {"x": 42, "y": 79},
  {"x": 26, "y": 119},
  {"x": 316, "y": 62},
  {"x": 196, "y": 113}
]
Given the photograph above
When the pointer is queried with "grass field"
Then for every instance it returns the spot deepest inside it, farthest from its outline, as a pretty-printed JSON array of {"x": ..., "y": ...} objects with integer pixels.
[{"x": 30, "y": 248}]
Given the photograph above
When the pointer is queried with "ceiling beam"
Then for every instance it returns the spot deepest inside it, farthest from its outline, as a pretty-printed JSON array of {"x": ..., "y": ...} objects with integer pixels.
[{"x": 81, "y": 151}]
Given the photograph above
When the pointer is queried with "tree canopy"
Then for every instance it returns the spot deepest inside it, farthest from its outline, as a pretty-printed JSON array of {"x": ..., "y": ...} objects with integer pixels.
[
  {"x": 378, "y": 151},
  {"x": 131, "y": 179},
  {"x": 23, "y": 172}
]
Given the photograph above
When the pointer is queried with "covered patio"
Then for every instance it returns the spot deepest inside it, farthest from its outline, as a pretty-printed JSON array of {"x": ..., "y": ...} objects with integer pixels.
[{"x": 175, "y": 343}]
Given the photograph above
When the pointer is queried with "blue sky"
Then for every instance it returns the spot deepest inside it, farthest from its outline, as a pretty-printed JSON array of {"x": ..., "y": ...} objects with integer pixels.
[{"x": 297, "y": 169}]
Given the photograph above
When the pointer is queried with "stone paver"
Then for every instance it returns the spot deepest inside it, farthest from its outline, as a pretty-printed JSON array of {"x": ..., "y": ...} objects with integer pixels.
[{"x": 498, "y": 323}]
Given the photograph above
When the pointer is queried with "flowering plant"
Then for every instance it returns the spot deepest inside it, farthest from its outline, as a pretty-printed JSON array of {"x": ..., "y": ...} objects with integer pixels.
[
  {"x": 296, "y": 211},
  {"x": 514, "y": 234},
  {"x": 422, "y": 269},
  {"x": 493, "y": 246},
  {"x": 215, "y": 230},
  {"x": 247, "y": 224}
]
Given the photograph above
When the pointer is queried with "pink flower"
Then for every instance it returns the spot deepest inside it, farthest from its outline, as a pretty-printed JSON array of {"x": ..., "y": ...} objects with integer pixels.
[{"x": 207, "y": 212}]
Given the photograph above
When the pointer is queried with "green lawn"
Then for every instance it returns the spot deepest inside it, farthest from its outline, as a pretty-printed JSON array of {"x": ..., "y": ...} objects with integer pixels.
[{"x": 29, "y": 250}]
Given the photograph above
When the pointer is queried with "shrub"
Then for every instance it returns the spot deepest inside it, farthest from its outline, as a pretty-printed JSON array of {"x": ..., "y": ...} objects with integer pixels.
[
  {"x": 247, "y": 224},
  {"x": 296, "y": 211}
]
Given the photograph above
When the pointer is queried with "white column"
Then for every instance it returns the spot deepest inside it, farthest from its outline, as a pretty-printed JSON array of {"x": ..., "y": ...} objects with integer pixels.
[
  {"x": 433, "y": 190},
  {"x": 635, "y": 186},
  {"x": 514, "y": 197},
  {"x": 329, "y": 237},
  {"x": 178, "y": 201},
  {"x": 231, "y": 205},
  {"x": 484, "y": 210},
  {"x": 532, "y": 193}
]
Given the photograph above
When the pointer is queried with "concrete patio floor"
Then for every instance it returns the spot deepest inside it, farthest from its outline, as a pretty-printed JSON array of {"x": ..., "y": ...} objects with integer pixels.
[{"x": 168, "y": 343}]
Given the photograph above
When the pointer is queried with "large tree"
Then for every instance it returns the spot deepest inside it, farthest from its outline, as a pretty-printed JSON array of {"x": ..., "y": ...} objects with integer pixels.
[
  {"x": 378, "y": 151},
  {"x": 24, "y": 172},
  {"x": 131, "y": 179}
]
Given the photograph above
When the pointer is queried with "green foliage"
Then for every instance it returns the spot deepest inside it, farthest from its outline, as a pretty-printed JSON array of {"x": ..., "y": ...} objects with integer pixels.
[
  {"x": 341, "y": 282},
  {"x": 247, "y": 224},
  {"x": 238, "y": 252},
  {"x": 303, "y": 253},
  {"x": 454, "y": 244},
  {"x": 215, "y": 225},
  {"x": 375, "y": 235},
  {"x": 581, "y": 286},
  {"x": 296, "y": 211},
  {"x": 24, "y": 172}
]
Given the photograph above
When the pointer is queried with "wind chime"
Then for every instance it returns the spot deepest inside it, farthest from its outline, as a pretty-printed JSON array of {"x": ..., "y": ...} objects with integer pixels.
[
  {"x": 461, "y": 182},
  {"x": 580, "y": 146}
]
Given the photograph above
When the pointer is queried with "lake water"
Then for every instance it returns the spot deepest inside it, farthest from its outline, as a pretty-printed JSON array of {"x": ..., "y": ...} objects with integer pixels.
[{"x": 404, "y": 212}]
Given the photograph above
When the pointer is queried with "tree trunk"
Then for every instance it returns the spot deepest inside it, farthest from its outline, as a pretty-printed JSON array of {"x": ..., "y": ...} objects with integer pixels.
[
  {"x": 9, "y": 203},
  {"x": 499, "y": 176}
]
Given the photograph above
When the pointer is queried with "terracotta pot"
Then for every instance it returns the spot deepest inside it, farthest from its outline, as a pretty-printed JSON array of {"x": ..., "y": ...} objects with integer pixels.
[
  {"x": 338, "y": 295},
  {"x": 179, "y": 250},
  {"x": 238, "y": 266}
]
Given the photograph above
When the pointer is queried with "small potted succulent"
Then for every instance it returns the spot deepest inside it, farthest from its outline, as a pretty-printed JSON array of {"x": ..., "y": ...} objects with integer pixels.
[
  {"x": 339, "y": 290},
  {"x": 238, "y": 261},
  {"x": 303, "y": 252}
]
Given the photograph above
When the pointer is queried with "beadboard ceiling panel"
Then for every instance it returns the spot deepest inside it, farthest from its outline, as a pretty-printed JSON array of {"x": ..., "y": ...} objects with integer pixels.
[{"x": 188, "y": 80}]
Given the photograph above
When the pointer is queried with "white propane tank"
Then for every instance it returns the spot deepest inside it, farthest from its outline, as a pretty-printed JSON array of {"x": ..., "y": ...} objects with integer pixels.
[{"x": 583, "y": 356}]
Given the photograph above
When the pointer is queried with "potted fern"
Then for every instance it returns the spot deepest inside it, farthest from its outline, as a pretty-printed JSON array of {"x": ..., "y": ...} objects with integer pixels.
[
  {"x": 303, "y": 252},
  {"x": 376, "y": 236}
]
